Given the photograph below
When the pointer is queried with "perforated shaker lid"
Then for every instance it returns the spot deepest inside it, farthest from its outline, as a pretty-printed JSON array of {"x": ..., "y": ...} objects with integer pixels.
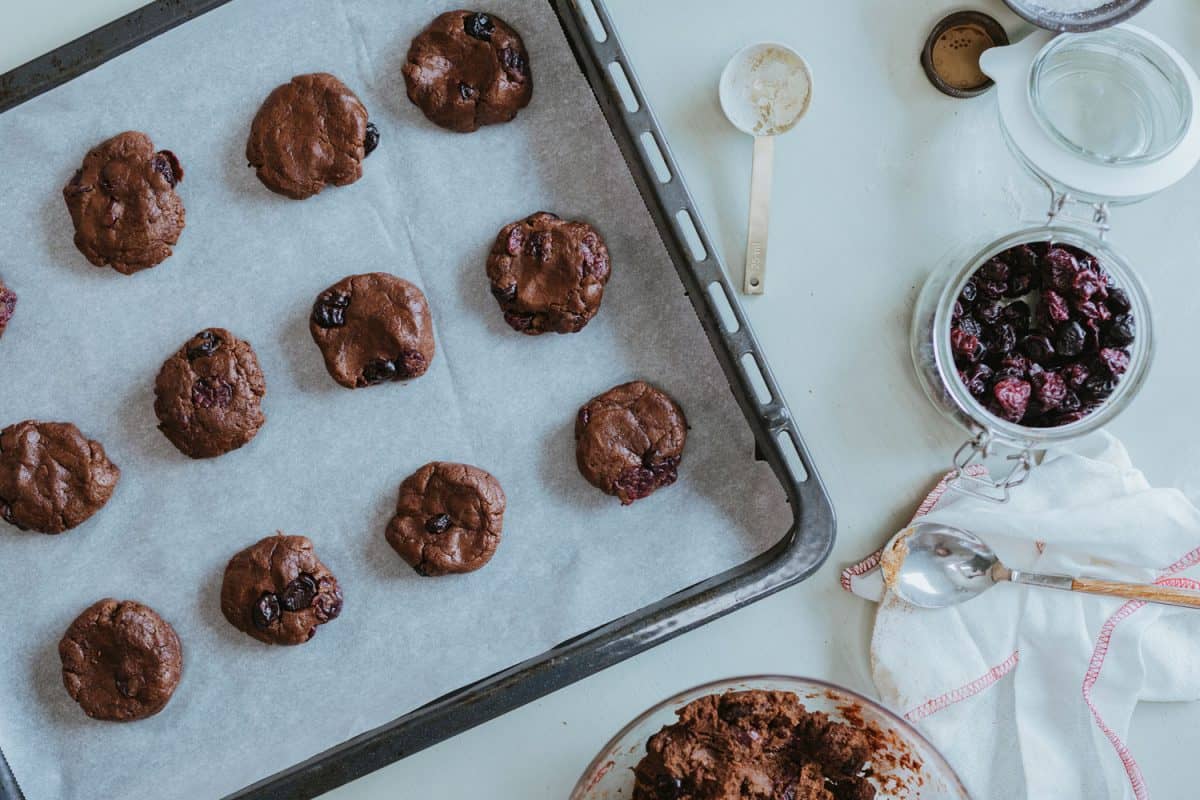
[{"x": 1084, "y": 178}]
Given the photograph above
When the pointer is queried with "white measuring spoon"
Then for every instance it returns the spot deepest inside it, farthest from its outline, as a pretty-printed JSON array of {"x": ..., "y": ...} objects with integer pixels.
[{"x": 765, "y": 89}]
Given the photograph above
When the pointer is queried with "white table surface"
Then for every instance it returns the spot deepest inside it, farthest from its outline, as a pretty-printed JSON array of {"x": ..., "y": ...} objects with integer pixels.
[{"x": 875, "y": 186}]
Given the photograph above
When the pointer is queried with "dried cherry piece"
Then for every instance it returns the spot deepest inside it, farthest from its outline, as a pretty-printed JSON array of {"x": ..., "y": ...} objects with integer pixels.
[
  {"x": 1022, "y": 257},
  {"x": 211, "y": 393},
  {"x": 1119, "y": 331},
  {"x": 1012, "y": 396},
  {"x": 208, "y": 344},
  {"x": 514, "y": 63},
  {"x": 329, "y": 311},
  {"x": 1059, "y": 266},
  {"x": 167, "y": 164},
  {"x": 966, "y": 348},
  {"x": 1086, "y": 283},
  {"x": 479, "y": 26},
  {"x": 379, "y": 371},
  {"x": 992, "y": 290},
  {"x": 1118, "y": 300},
  {"x": 371, "y": 140},
  {"x": 1115, "y": 361},
  {"x": 411, "y": 364},
  {"x": 968, "y": 294},
  {"x": 1038, "y": 347},
  {"x": 8, "y": 304},
  {"x": 1075, "y": 374},
  {"x": 466, "y": 91},
  {"x": 1055, "y": 307},
  {"x": 989, "y": 311},
  {"x": 1092, "y": 309},
  {"x": 298, "y": 594},
  {"x": 1000, "y": 339},
  {"x": 994, "y": 270},
  {"x": 265, "y": 611},
  {"x": 505, "y": 294},
  {"x": 1069, "y": 339},
  {"x": 1019, "y": 316},
  {"x": 439, "y": 523},
  {"x": 969, "y": 325},
  {"x": 1049, "y": 390},
  {"x": 976, "y": 378},
  {"x": 1020, "y": 283}
]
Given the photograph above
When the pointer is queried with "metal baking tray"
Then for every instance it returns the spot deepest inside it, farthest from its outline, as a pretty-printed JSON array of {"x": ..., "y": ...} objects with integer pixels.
[{"x": 797, "y": 555}]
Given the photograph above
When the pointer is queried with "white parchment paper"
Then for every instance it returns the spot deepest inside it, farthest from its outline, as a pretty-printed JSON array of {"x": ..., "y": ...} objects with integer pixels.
[{"x": 86, "y": 343}]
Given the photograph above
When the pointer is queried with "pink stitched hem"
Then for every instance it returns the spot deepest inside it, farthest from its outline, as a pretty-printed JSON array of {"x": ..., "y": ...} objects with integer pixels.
[
  {"x": 870, "y": 562},
  {"x": 963, "y": 692},
  {"x": 1100, "y": 651}
]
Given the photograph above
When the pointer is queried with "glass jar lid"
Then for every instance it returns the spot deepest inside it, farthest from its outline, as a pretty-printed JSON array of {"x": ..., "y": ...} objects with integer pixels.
[{"x": 1053, "y": 91}]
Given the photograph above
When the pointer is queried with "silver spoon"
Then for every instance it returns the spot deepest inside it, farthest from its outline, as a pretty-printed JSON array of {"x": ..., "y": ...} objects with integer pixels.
[
  {"x": 765, "y": 89},
  {"x": 934, "y": 566}
]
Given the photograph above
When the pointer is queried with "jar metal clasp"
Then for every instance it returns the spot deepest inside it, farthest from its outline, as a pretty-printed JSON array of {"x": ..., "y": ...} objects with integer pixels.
[
  {"x": 1063, "y": 203},
  {"x": 978, "y": 483}
]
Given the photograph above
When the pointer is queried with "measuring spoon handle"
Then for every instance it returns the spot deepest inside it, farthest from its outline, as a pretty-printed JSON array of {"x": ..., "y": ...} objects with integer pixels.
[{"x": 760, "y": 214}]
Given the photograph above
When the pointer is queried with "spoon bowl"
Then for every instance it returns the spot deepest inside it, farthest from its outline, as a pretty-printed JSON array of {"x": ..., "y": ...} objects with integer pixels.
[{"x": 933, "y": 566}]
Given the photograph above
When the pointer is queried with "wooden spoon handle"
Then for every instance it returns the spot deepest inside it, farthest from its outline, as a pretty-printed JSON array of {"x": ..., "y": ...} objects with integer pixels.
[{"x": 1137, "y": 591}]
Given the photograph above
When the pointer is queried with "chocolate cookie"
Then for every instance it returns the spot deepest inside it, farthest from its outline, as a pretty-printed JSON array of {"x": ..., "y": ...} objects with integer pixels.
[
  {"x": 757, "y": 744},
  {"x": 52, "y": 477},
  {"x": 628, "y": 441},
  {"x": 278, "y": 591},
  {"x": 309, "y": 133},
  {"x": 123, "y": 203},
  {"x": 373, "y": 328},
  {"x": 120, "y": 660},
  {"x": 208, "y": 396},
  {"x": 448, "y": 519},
  {"x": 468, "y": 69},
  {"x": 8, "y": 304},
  {"x": 548, "y": 274}
]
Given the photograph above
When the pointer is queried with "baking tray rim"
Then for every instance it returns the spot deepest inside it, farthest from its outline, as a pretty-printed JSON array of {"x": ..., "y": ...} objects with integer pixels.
[{"x": 802, "y": 550}]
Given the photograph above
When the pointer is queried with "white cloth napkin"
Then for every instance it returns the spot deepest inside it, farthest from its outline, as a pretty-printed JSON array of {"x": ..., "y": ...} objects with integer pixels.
[{"x": 1029, "y": 692}]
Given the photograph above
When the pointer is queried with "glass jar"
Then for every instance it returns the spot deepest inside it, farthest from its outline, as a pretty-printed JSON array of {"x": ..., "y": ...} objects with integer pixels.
[
  {"x": 990, "y": 434},
  {"x": 1031, "y": 75}
]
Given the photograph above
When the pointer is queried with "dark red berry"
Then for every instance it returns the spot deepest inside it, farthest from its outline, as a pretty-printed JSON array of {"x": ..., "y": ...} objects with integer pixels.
[
  {"x": 538, "y": 245},
  {"x": 466, "y": 91},
  {"x": 328, "y": 604},
  {"x": 411, "y": 364},
  {"x": 518, "y": 322},
  {"x": 641, "y": 481},
  {"x": 1018, "y": 315},
  {"x": 976, "y": 378},
  {"x": 988, "y": 312},
  {"x": 992, "y": 290},
  {"x": 211, "y": 393},
  {"x": 167, "y": 165},
  {"x": 265, "y": 611},
  {"x": 1055, "y": 307},
  {"x": 439, "y": 523},
  {"x": 298, "y": 594},
  {"x": 1069, "y": 339},
  {"x": 1049, "y": 390},
  {"x": 8, "y": 304},
  {"x": 1092, "y": 309},
  {"x": 1098, "y": 387},
  {"x": 1012, "y": 396},
  {"x": 515, "y": 66},
  {"x": 505, "y": 294},
  {"x": 967, "y": 348},
  {"x": 969, "y": 325},
  {"x": 1038, "y": 347},
  {"x": 1115, "y": 361},
  {"x": 1000, "y": 339},
  {"x": 968, "y": 294},
  {"x": 1086, "y": 283},
  {"x": 206, "y": 343},
  {"x": 330, "y": 309},
  {"x": 1059, "y": 268},
  {"x": 371, "y": 140},
  {"x": 1119, "y": 331},
  {"x": 956, "y": 310},
  {"x": 1019, "y": 283},
  {"x": 1015, "y": 365},
  {"x": 1118, "y": 300},
  {"x": 479, "y": 26},
  {"x": 1075, "y": 374},
  {"x": 1022, "y": 257},
  {"x": 994, "y": 270},
  {"x": 378, "y": 371}
]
